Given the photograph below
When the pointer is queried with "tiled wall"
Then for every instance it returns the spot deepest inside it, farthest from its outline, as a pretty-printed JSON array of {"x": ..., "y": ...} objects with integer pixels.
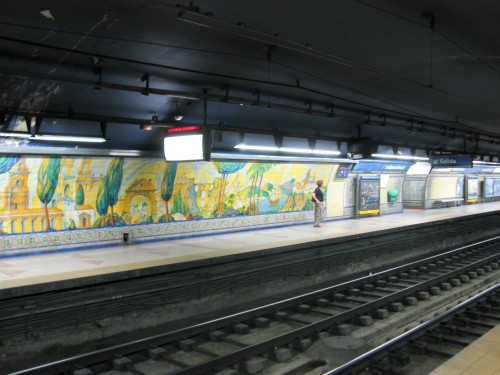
[{"x": 33, "y": 243}]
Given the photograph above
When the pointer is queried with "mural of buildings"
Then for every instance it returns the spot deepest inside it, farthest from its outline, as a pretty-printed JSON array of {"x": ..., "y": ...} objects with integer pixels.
[
  {"x": 17, "y": 216},
  {"x": 138, "y": 206},
  {"x": 97, "y": 192}
]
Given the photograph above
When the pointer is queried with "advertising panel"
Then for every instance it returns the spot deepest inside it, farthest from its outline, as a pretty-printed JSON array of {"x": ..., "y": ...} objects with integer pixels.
[
  {"x": 472, "y": 192},
  {"x": 488, "y": 187},
  {"x": 368, "y": 197}
]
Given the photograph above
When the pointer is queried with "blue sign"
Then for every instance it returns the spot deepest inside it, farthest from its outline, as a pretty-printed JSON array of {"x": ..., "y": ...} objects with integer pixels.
[
  {"x": 451, "y": 161},
  {"x": 344, "y": 170},
  {"x": 393, "y": 166}
]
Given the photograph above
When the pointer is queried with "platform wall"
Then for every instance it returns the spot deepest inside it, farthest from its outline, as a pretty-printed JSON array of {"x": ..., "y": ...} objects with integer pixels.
[
  {"x": 444, "y": 188},
  {"x": 60, "y": 203}
]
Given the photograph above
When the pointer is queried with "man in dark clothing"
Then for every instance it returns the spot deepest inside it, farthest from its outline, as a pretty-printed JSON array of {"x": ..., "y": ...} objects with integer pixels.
[{"x": 319, "y": 207}]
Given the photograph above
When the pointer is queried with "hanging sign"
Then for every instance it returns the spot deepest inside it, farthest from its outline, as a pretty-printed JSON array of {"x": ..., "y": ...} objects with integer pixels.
[{"x": 451, "y": 161}]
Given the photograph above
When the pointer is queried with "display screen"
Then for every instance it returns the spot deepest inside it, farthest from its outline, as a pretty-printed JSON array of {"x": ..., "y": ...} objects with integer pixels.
[
  {"x": 183, "y": 147},
  {"x": 344, "y": 170}
]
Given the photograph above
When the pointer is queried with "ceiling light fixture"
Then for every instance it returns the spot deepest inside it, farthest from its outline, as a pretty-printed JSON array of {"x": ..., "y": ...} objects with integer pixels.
[
  {"x": 178, "y": 115},
  {"x": 67, "y": 138},
  {"x": 15, "y": 134},
  {"x": 291, "y": 150},
  {"x": 399, "y": 157},
  {"x": 124, "y": 152},
  {"x": 279, "y": 157},
  {"x": 477, "y": 162}
]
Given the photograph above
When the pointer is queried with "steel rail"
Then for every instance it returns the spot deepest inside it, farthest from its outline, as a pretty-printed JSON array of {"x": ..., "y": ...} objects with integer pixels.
[
  {"x": 396, "y": 343},
  {"x": 322, "y": 325},
  {"x": 77, "y": 293},
  {"x": 256, "y": 349}
]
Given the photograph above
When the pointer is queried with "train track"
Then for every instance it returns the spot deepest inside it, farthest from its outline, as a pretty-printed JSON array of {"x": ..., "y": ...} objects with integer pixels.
[
  {"x": 276, "y": 338},
  {"x": 423, "y": 348}
]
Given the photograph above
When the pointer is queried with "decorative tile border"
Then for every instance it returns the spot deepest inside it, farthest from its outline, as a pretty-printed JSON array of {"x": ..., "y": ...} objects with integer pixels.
[{"x": 36, "y": 243}]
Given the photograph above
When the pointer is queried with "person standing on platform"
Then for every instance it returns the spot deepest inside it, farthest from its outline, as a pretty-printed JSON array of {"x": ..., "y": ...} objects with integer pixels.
[{"x": 319, "y": 207}]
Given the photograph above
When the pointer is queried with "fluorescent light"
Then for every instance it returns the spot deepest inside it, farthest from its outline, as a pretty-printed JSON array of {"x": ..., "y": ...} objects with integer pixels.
[
  {"x": 308, "y": 151},
  {"x": 399, "y": 157},
  {"x": 277, "y": 157},
  {"x": 184, "y": 147},
  {"x": 287, "y": 149},
  {"x": 485, "y": 163},
  {"x": 67, "y": 138},
  {"x": 257, "y": 148},
  {"x": 15, "y": 135},
  {"x": 124, "y": 152}
]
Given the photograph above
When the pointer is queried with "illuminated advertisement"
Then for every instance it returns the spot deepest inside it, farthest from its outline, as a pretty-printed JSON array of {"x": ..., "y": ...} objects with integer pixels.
[
  {"x": 368, "y": 195},
  {"x": 472, "y": 191}
]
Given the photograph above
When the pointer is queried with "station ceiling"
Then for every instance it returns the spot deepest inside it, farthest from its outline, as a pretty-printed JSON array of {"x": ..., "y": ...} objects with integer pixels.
[{"x": 408, "y": 73}]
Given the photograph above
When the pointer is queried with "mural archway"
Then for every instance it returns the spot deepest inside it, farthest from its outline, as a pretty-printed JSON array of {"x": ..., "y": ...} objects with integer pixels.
[{"x": 139, "y": 202}]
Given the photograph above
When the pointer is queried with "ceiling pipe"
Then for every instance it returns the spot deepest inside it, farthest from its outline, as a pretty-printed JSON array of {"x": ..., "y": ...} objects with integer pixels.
[
  {"x": 218, "y": 98},
  {"x": 246, "y": 79},
  {"x": 397, "y": 122}
]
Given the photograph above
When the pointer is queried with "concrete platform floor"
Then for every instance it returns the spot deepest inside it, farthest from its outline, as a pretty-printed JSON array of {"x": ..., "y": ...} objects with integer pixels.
[
  {"x": 480, "y": 358},
  {"x": 37, "y": 269}
]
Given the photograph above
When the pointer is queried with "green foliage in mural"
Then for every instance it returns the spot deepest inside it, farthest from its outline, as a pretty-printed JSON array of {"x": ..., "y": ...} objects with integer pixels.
[
  {"x": 167, "y": 185},
  {"x": 72, "y": 224},
  {"x": 105, "y": 220},
  {"x": 177, "y": 203},
  {"x": 48, "y": 175},
  {"x": 228, "y": 167},
  {"x": 7, "y": 162},
  {"x": 229, "y": 209},
  {"x": 102, "y": 200},
  {"x": 80, "y": 195},
  {"x": 107, "y": 196},
  {"x": 180, "y": 206},
  {"x": 225, "y": 168},
  {"x": 114, "y": 175},
  {"x": 267, "y": 187},
  {"x": 247, "y": 192},
  {"x": 256, "y": 173}
]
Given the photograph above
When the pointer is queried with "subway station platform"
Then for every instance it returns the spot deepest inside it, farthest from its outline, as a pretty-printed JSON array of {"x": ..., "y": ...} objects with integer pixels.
[
  {"x": 22, "y": 271},
  {"x": 482, "y": 357}
]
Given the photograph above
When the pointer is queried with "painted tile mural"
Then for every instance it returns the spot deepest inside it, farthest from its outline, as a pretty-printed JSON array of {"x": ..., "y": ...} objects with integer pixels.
[{"x": 47, "y": 194}]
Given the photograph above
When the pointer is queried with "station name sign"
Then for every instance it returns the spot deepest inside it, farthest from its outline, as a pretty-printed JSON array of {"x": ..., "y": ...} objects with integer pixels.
[{"x": 451, "y": 161}]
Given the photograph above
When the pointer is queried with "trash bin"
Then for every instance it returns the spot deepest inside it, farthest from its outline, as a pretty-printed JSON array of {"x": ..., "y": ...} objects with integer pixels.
[{"x": 392, "y": 195}]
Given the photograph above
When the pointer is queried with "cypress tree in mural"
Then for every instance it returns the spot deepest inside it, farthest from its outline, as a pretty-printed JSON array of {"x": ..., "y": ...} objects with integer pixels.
[
  {"x": 225, "y": 168},
  {"x": 114, "y": 174},
  {"x": 102, "y": 200},
  {"x": 167, "y": 185},
  {"x": 109, "y": 189},
  {"x": 48, "y": 175},
  {"x": 80, "y": 196},
  {"x": 7, "y": 162}
]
